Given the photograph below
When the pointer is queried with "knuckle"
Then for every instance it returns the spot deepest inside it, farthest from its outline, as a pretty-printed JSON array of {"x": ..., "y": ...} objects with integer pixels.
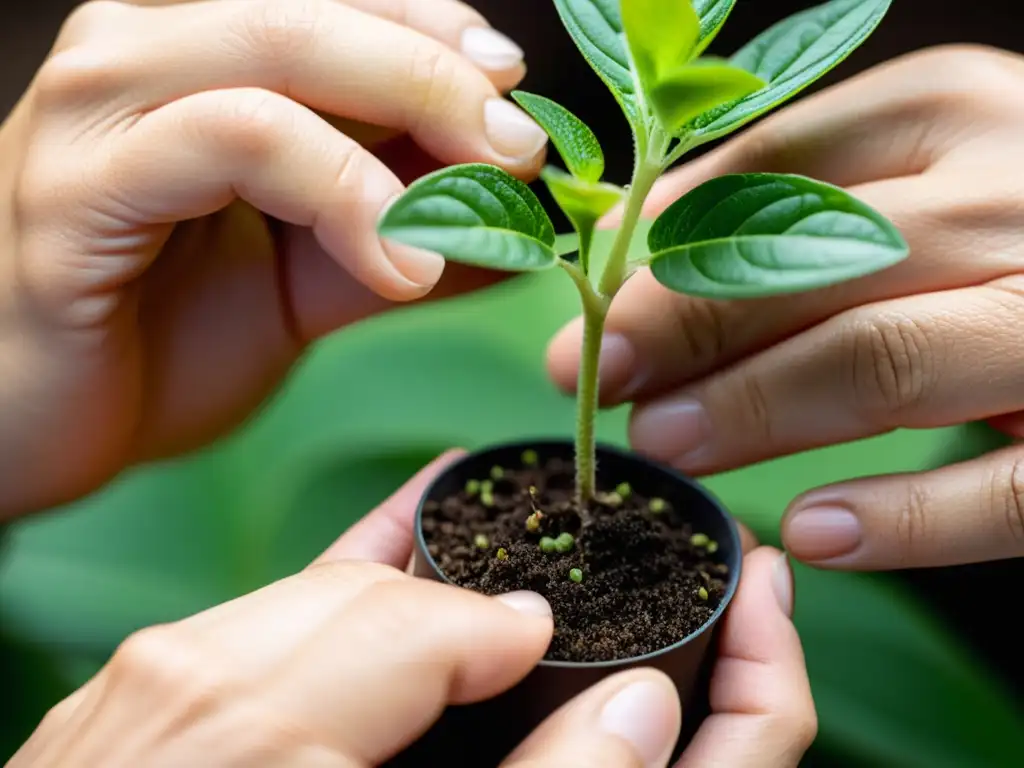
[
  {"x": 252, "y": 123},
  {"x": 163, "y": 659},
  {"x": 911, "y": 521},
  {"x": 433, "y": 83},
  {"x": 893, "y": 366},
  {"x": 279, "y": 31},
  {"x": 758, "y": 421},
  {"x": 1007, "y": 495},
  {"x": 77, "y": 75},
  {"x": 701, "y": 331},
  {"x": 964, "y": 74}
]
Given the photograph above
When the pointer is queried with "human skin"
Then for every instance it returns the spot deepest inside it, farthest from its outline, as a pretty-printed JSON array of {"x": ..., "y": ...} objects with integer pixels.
[
  {"x": 932, "y": 140},
  {"x": 189, "y": 200}
]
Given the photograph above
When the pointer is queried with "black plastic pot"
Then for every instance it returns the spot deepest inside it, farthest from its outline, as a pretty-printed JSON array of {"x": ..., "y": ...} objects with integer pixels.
[{"x": 481, "y": 735}]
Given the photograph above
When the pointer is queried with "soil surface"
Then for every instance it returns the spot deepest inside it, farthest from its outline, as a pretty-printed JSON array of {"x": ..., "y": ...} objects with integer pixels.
[{"x": 647, "y": 579}]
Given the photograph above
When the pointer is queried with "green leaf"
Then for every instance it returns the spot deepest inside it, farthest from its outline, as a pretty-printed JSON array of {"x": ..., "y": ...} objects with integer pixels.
[
  {"x": 575, "y": 142},
  {"x": 584, "y": 203},
  {"x": 662, "y": 37},
  {"x": 596, "y": 28},
  {"x": 690, "y": 91},
  {"x": 712, "y": 14},
  {"x": 761, "y": 234},
  {"x": 793, "y": 54},
  {"x": 475, "y": 214}
]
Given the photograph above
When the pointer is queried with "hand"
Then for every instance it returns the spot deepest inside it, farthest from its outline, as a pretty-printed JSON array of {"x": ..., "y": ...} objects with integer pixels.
[
  {"x": 933, "y": 141},
  {"x": 187, "y": 207},
  {"x": 349, "y": 661}
]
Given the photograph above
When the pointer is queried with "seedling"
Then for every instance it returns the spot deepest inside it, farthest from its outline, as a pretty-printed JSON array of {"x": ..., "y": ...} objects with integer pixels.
[
  {"x": 481, "y": 541},
  {"x": 739, "y": 236},
  {"x": 657, "y": 506},
  {"x": 700, "y": 539},
  {"x": 564, "y": 542},
  {"x": 548, "y": 545},
  {"x": 575, "y": 574}
]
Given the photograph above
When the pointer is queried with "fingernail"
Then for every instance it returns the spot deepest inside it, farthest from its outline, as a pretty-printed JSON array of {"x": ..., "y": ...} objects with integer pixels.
[
  {"x": 617, "y": 370},
  {"x": 511, "y": 132},
  {"x": 821, "y": 533},
  {"x": 527, "y": 602},
  {"x": 782, "y": 582},
  {"x": 642, "y": 714},
  {"x": 671, "y": 431},
  {"x": 424, "y": 268},
  {"x": 490, "y": 49}
]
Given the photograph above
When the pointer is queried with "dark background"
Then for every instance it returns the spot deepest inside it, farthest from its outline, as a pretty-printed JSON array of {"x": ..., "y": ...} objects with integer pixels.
[{"x": 969, "y": 596}]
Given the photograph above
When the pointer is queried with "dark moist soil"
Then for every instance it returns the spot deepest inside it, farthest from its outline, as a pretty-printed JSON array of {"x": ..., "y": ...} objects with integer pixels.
[{"x": 642, "y": 576}]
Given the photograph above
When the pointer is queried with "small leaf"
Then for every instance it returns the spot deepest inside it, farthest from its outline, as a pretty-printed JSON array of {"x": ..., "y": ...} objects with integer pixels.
[
  {"x": 712, "y": 14},
  {"x": 596, "y": 28},
  {"x": 475, "y": 214},
  {"x": 584, "y": 203},
  {"x": 575, "y": 142},
  {"x": 761, "y": 234},
  {"x": 693, "y": 90},
  {"x": 793, "y": 54},
  {"x": 662, "y": 37}
]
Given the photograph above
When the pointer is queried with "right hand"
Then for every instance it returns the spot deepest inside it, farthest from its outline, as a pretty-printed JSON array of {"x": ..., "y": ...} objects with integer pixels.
[
  {"x": 933, "y": 141},
  {"x": 187, "y": 206},
  {"x": 347, "y": 662}
]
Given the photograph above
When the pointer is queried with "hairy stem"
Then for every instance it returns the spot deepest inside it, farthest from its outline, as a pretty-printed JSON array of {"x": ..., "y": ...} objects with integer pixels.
[
  {"x": 595, "y": 310},
  {"x": 586, "y": 403},
  {"x": 614, "y": 274}
]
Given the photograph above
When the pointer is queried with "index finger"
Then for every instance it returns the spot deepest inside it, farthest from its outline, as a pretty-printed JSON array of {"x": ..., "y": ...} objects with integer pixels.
[{"x": 762, "y": 711}]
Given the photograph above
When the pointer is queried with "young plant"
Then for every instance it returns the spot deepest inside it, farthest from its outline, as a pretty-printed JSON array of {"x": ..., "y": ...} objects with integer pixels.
[{"x": 734, "y": 237}]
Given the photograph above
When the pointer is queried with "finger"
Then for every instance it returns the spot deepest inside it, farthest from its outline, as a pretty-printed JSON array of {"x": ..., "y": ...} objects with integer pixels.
[
  {"x": 386, "y": 534},
  {"x": 920, "y": 362},
  {"x": 461, "y": 28},
  {"x": 455, "y": 24},
  {"x": 331, "y": 57},
  {"x": 657, "y": 339},
  {"x": 762, "y": 711},
  {"x": 964, "y": 513},
  {"x": 386, "y": 666},
  {"x": 192, "y": 157},
  {"x": 630, "y": 720},
  {"x": 298, "y": 607}
]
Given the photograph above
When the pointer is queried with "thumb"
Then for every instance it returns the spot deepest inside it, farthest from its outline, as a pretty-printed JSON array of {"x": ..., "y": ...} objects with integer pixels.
[{"x": 630, "y": 720}]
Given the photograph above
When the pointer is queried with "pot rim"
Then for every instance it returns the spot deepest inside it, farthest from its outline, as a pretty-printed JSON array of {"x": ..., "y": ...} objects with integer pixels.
[{"x": 538, "y": 444}]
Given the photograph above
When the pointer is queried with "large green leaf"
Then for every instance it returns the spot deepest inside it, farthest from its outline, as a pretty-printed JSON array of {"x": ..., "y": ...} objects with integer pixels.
[
  {"x": 584, "y": 203},
  {"x": 475, "y": 214},
  {"x": 575, "y": 142},
  {"x": 762, "y": 234},
  {"x": 791, "y": 55}
]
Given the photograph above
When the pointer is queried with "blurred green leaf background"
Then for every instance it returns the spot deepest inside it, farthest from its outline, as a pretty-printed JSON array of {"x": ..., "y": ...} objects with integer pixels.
[{"x": 370, "y": 406}]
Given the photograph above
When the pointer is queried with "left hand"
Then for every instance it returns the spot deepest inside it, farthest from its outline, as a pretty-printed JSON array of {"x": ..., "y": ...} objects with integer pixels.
[{"x": 932, "y": 140}]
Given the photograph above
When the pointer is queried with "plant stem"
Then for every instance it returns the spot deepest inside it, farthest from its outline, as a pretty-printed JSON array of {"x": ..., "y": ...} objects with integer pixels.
[
  {"x": 586, "y": 404},
  {"x": 614, "y": 274},
  {"x": 595, "y": 310}
]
